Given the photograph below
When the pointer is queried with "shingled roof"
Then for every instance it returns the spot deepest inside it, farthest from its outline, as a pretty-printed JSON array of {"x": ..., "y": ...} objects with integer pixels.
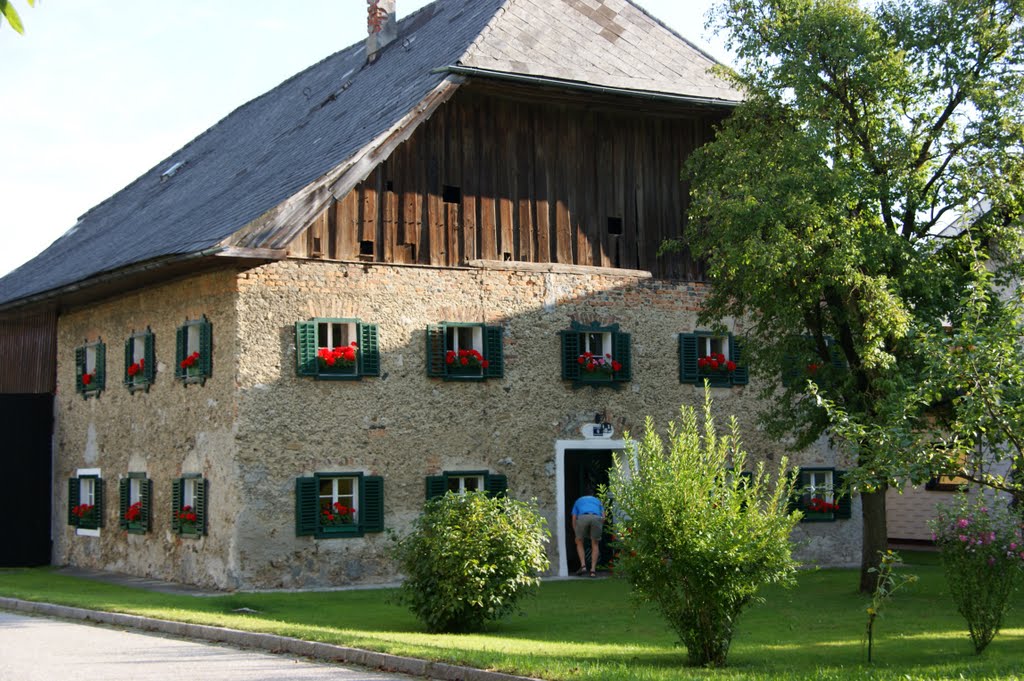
[{"x": 254, "y": 179}]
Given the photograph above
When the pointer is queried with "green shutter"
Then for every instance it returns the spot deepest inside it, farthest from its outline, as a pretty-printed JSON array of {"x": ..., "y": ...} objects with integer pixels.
[
  {"x": 623, "y": 354},
  {"x": 205, "y": 350},
  {"x": 127, "y": 360},
  {"x": 436, "y": 366},
  {"x": 177, "y": 494},
  {"x": 73, "y": 500},
  {"x": 99, "y": 503},
  {"x": 79, "y": 369},
  {"x": 179, "y": 353},
  {"x": 307, "y": 506},
  {"x": 123, "y": 493},
  {"x": 369, "y": 350},
  {"x": 100, "y": 380},
  {"x": 371, "y": 515},
  {"x": 146, "y": 497},
  {"x": 437, "y": 485},
  {"x": 305, "y": 348},
  {"x": 570, "y": 355},
  {"x": 845, "y": 502},
  {"x": 494, "y": 352},
  {"x": 741, "y": 376},
  {"x": 496, "y": 485},
  {"x": 688, "y": 358},
  {"x": 149, "y": 352},
  {"x": 200, "y": 506}
]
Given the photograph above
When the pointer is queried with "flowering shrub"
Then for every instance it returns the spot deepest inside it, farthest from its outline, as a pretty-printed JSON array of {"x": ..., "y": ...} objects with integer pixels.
[
  {"x": 87, "y": 378},
  {"x": 469, "y": 359},
  {"x": 337, "y": 514},
  {"x": 83, "y": 511},
  {"x": 134, "y": 512},
  {"x": 819, "y": 505},
  {"x": 338, "y": 357},
  {"x": 136, "y": 368},
  {"x": 187, "y": 517},
  {"x": 982, "y": 546},
  {"x": 716, "y": 362},
  {"x": 190, "y": 361},
  {"x": 598, "y": 365}
]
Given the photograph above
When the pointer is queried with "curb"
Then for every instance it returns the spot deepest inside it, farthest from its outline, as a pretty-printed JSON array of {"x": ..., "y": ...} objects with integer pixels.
[{"x": 268, "y": 642}]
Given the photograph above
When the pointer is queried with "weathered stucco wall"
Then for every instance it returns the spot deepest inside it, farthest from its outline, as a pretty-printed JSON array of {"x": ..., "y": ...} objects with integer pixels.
[
  {"x": 169, "y": 431},
  {"x": 405, "y": 426},
  {"x": 256, "y": 426}
]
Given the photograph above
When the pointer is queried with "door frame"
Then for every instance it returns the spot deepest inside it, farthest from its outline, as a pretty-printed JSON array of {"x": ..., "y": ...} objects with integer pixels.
[{"x": 561, "y": 446}]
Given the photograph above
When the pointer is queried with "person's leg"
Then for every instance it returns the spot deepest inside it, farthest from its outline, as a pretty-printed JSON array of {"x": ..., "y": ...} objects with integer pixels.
[
  {"x": 594, "y": 548},
  {"x": 582, "y": 555}
]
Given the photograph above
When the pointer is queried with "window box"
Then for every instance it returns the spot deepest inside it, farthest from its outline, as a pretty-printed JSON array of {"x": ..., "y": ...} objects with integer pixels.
[
  {"x": 716, "y": 358},
  {"x": 459, "y": 482},
  {"x": 134, "y": 500},
  {"x": 816, "y": 497},
  {"x": 139, "y": 361},
  {"x": 596, "y": 355},
  {"x": 336, "y": 349},
  {"x": 331, "y": 505},
  {"x": 465, "y": 352},
  {"x": 85, "y": 501},
  {"x": 194, "y": 352},
  {"x": 91, "y": 369},
  {"x": 188, "y": 506}
]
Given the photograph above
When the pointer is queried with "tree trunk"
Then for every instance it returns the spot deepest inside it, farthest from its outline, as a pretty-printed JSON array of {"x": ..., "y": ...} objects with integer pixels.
[{"x": 875, "y": 537}]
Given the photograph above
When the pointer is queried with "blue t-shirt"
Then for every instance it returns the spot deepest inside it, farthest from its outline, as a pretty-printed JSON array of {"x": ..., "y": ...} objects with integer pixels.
[{"x": 587, "y": 505}]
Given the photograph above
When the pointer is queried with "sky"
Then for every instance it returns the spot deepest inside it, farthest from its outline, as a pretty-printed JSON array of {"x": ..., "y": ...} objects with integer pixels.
[{"x": 96, "y": 93}]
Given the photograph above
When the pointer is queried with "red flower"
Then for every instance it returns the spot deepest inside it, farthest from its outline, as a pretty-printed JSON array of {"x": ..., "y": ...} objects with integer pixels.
[
  {"x": 190, "y": 360},
  {"x": 82, "y": 510},
  {"x": 730, "y": 365},
  {"x": 134, "y": 512},
  {"x": 813, "y": 367},
  {"x": 616, "y": 366},
  {"x": 86, "y": 379}
]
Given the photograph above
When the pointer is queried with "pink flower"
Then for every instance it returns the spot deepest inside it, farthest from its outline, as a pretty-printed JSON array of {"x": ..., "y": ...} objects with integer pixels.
[{"x": 963, "y": 522}]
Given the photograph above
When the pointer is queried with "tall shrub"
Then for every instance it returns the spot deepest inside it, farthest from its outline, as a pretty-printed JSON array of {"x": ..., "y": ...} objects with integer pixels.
[
  {"x": 470, "y": 558},
  {"x": 696, "y": 535},
  {"x": 982, "y": 547}
]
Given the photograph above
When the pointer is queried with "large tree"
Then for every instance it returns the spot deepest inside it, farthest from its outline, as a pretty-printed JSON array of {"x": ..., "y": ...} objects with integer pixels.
[{"x": 819, "y": 204}]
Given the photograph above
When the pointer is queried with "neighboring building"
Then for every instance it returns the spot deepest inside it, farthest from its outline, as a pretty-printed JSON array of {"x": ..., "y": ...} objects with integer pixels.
[{"x": 477, "y": 207}]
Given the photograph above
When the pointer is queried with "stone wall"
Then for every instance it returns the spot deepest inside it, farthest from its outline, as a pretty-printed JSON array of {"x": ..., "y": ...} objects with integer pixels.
[
  {"x": 169, "y": 431},
  {"x": 256, "y": 425},
  {"x": 405, "y": 426}
]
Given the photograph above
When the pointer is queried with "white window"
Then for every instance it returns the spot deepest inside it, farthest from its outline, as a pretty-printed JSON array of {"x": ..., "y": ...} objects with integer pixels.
[
  {"x": 713, "y": 346},
  {"x": 335, "y": 334},
  {"x": 818, "y": 485},
  {"x": 464, "y": 338},
  {"x": 88, "y": 495},
  {"x": 465, "y": 483},
  {"x": 339, "y": 500},
  {"x": 597, "y": 344},
  {"x": 188, "y": 491}
]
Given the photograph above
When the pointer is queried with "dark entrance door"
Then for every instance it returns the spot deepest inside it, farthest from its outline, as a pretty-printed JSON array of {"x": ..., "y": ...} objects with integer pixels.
[
  {"x": 27, "y": 424},
  {"x": 584, "y": 468}
]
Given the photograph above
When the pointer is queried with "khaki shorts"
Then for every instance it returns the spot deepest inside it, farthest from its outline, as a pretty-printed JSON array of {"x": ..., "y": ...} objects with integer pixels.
[{"x": 589, "y": 526}]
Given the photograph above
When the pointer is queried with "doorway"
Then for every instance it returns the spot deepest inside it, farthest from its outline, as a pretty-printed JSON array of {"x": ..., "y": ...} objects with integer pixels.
[{"x": 584, "y": 469}]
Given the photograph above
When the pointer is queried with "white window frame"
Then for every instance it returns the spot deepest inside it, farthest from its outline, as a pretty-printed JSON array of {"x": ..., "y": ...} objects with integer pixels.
[
  {"x": 188, "y": 492},
  {"x": 334, "y": 497},
  {"x": 326, "y": 331},
  {"x": 454, "y": 339},
  {"x": 708, "y": 345},
  {"x": 825, "y": 488},
  {"x": 461, "y": 479},
  {"x": 192, "y": 338},
  {"x": 87, "y": 479}
]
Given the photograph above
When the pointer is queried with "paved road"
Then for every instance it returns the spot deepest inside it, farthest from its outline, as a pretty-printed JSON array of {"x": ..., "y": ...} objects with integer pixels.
[{"x": 43, "y": 649}]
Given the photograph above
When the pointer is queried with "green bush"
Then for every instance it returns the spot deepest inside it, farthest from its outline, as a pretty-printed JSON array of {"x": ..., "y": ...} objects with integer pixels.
[
  {"x": 982, "y": 548},
  {"x": 694, "y": 534},
  {"x": 470, "y": 558}
]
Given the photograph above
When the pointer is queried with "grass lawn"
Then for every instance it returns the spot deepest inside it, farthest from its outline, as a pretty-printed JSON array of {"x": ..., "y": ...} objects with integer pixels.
[{"x": 588, "y": 629}]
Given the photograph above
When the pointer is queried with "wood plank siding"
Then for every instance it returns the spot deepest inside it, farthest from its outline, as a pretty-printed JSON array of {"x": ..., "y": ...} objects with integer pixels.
[
  {"x": 499, "y": 178},
  {"x": 28, "y": 344}
]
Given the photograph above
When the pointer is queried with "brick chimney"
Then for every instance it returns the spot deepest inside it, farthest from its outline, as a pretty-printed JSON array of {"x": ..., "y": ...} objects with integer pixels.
[{"x": 381, "y": 26}]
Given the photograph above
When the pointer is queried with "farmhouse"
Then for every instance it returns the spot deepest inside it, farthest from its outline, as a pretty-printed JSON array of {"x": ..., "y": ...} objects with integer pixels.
[{"x": 427, "y": 263}]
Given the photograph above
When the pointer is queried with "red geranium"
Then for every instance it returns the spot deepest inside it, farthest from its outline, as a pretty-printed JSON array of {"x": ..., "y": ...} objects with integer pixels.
[
  {"x": 134, "y": 512},
  {"x": 82, "y": 510},
  {"x": 190, "y": 360},
  {"x": 87, "y": 379},
  {"x": 596, "y": 364},
  {"x": 338, "y": 357},
  {"x": 136, "y": 368},
  {"x": 187, "y": 515},
  {"x": 716, "y": 362},
  {"x": 471, "y": 359},
  {"x": 338, "y": 514},
  {"x": 819, "y": 505}
]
